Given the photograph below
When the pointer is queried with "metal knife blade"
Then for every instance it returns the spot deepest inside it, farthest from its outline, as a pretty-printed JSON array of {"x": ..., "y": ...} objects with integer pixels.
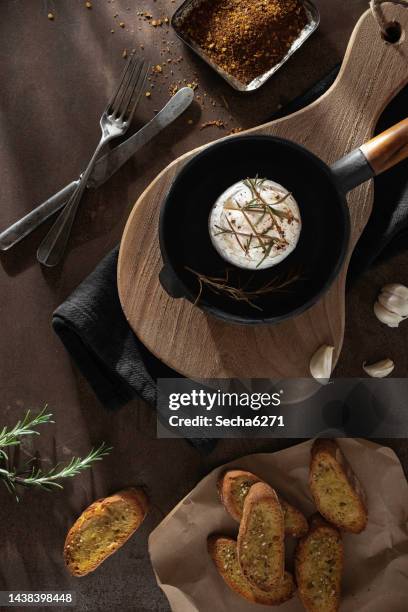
[
  {"x": 105, "y": 167},
  {"x": 109, "y": 163}
]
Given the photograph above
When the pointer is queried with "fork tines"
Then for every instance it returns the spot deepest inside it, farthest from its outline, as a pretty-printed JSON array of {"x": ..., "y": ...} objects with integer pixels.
[{"x": 123, "y": 103}]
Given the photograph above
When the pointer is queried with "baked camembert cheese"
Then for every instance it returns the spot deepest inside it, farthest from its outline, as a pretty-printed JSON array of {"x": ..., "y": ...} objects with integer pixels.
[{"x": 255, "y": 224}]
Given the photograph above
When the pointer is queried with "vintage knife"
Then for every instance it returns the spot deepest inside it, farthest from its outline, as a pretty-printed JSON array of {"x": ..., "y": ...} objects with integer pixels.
[{"x": 105, "y": 167}]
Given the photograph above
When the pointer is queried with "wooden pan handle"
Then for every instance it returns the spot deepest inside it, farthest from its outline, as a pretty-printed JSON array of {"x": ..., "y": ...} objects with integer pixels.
[{"x": 387, "y": 149}]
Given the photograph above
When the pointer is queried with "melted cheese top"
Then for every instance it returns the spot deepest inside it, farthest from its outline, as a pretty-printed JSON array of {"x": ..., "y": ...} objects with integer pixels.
[{"x": 255, "y": 224}]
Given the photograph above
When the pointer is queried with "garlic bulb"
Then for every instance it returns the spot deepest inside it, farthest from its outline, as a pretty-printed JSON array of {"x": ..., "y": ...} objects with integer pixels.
[
  {"x": 321, "y": 364},
  {"x": 380, "y": 369},
  {"x": 391, "y": 306}
]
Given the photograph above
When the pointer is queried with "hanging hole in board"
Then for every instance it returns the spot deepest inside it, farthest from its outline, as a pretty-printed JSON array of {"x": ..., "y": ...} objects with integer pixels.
[{"x": 393, "y": 33}]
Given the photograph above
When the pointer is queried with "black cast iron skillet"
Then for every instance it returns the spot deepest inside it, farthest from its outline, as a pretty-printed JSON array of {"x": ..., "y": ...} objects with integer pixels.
[{"x": 320, "y": 192}]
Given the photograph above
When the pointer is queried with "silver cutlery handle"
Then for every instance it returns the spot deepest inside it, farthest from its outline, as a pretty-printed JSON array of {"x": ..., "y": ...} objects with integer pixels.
[
  {"x": 104, "y": 168},
  {"x": 24, "y": 226},
  {"x": 52, "y": 248}
]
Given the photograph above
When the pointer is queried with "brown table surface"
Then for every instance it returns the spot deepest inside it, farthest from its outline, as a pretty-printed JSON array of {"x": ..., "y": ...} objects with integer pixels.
[{"x": 55, "y": 79}]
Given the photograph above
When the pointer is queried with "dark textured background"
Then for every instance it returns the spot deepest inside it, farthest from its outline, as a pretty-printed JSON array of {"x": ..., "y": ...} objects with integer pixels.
[{"x": 55, "y": 78}]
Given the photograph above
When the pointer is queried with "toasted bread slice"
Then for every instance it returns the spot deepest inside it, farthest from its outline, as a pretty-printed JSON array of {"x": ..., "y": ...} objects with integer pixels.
[
  {"x": 233, "y": 487},
  {"x": 103, "y": 528},
  {"x": 223, "y": 552},
  {"x": 337, "y": 493},
  {"x": 261, "y": 547},
  {"x": 319, "y": 567},
  {"x": 295, "y": 522}
]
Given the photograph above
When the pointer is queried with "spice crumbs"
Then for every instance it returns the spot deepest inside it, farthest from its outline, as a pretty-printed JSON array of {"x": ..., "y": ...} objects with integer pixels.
[{"x": 245, "y": 37}]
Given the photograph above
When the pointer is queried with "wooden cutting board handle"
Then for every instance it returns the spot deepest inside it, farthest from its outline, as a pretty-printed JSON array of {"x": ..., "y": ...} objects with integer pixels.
[{"x": 197, "y": 345}]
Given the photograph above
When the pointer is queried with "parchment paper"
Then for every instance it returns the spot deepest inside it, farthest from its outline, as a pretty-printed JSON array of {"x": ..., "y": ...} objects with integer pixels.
[{"x": 376, "y": 561}]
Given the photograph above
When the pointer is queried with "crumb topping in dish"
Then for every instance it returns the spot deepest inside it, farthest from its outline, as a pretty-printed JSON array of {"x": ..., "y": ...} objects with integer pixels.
[{"x": 246, "y": 37}]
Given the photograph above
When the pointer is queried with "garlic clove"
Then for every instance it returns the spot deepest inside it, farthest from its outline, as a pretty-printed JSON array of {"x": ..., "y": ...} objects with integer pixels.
[
  {"x": 384, "y": 315},
  {"x": 321, "y": 364},
  {"x": 396, "y": 289},
  {"x": 394, "y": 303},
  {"x": 380, "y": 369},
  {"x": 391, "y": 306}
]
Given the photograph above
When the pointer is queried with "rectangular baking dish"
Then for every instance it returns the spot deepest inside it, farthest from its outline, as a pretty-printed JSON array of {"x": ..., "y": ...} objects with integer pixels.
[{"x": 182, "y": 14}]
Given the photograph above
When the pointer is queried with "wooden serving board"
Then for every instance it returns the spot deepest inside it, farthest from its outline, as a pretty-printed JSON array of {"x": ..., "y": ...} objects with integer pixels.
[{"x": 198, "y": 345}]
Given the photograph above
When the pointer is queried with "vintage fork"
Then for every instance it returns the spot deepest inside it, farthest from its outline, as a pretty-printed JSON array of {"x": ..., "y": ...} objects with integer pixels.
[{"x": 114, "y": 122}]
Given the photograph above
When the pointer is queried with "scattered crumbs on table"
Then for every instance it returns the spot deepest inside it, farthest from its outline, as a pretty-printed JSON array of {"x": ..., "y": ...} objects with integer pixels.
[
  {"x": 155, "y": 22},
  {"x": 214, "y": 123},
  {"x": 235, "y": 130},
  {"x": 168, "y": 74}
]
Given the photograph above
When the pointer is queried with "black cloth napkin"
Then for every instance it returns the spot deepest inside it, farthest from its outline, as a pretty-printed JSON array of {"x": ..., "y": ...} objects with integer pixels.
[{"x": 119, "y": 368}]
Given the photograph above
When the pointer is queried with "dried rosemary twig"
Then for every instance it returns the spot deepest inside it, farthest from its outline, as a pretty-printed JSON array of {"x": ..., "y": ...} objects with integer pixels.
[
  {"x": 219, "y": 284},
  {"x": 266, "y": 208},
  {"x": 235, "y": 233},
  {"x": 232, "y": 230},
  {"x": 259, "y": 206}
]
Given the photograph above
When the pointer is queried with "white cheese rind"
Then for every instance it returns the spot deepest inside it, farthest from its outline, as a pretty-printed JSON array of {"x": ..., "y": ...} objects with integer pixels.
[{"x": 241, "y": 250}]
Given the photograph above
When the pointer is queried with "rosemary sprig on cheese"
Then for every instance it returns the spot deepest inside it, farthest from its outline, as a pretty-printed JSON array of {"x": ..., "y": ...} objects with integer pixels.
[{"x": 255, "y": 223}]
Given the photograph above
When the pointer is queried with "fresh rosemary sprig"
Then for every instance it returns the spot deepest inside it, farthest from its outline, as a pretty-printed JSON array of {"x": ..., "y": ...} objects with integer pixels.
[
  {"x": 23, "y": 428},
  {"x": 35, "y": 476}
]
